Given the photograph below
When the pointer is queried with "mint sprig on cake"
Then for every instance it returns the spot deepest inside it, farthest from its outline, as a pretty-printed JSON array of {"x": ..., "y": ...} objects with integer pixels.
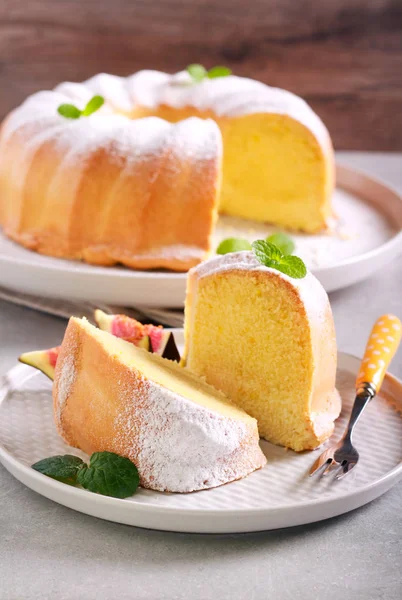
[
  {"x": 274, "y": 252},
  {"x": 199, "y": 72},
  {"x": 70, "y": 111},
  {"x": 271, "y": 256}
]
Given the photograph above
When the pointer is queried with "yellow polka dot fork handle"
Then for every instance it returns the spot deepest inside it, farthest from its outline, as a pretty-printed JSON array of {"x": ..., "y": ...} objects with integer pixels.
[
  {"x": 381, "y": 347},
  {"x": 382, "y": 344}
]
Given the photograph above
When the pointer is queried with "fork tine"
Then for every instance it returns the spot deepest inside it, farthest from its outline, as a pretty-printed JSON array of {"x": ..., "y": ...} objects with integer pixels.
[
  {"x": 322, "y": 461},
  {"x": 338, "y": 469},
  {"x": 346, "y": 468},
  {"x": 329, "y": 468}
]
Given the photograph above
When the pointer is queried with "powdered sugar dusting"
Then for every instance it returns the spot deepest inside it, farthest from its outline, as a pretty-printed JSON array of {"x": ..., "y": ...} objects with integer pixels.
[
  {"x": 66, "y": 381},
  {"x": 181, "y": 446},
  {"x": 194, "y": 138},
  {"x": 229, "y": 96},
  {"x": 226, "y": 96},
  {"x": 112, "y": 88}
]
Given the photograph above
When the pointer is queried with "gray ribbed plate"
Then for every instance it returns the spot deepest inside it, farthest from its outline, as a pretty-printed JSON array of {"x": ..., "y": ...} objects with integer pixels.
[{"x": 280, "y": 495}]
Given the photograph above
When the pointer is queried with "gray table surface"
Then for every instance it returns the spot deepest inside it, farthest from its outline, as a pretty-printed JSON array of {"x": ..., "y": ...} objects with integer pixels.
[{"x": 48, "y": 551}]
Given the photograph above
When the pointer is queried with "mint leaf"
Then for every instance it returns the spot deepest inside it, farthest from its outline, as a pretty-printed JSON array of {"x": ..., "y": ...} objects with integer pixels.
[
  {"x": 283, "y": 242},
  {"x": 266, "y": 252},
  {"x": 62, "y": 468},
  {"x": 93, "y": 105},
  {"x": 197, "y": 72},
  {"x": 218, "y": 72},
  {"x": 72, "y": 112},
  {"x": 69, "y": 111},
  {"x": 110, "y": 475},
  {"x": 293, "y": 266},
  {"x": 233, "y": 245},
  {"x": 270, "y": 256}
]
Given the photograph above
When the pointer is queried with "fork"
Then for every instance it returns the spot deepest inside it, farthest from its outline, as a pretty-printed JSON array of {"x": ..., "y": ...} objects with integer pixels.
[{"x": 381, "y": 347}]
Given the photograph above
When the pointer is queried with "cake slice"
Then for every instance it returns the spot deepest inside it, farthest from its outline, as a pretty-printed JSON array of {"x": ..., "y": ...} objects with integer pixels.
[
  {"x": 268, "y": 342},
  {"x": 182, "y": 434}
]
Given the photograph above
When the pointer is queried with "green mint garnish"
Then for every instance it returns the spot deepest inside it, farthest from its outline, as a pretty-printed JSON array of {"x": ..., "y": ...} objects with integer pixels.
[
  {"x": 69, "y": 111},
  {"x": 218, "y": 72},
  {"x": 198, "y": 72},
  {"x": 271, "y": 256},
  {"x": 63, "y": 468},
  {"x": 233, "y": 245},
  {"x": 72, "y": 112},
  {"x": 108, "y": 473},
  {"x": 93, "y": 105},
  {"x": 283, "y": 242}
]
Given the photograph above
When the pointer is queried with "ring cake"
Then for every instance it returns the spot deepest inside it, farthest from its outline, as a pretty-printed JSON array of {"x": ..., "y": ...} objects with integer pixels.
[
  {"x": 138, "y": 182},
  {"x": 268, "y": 342},
  {"x": 180, "y": 432}
]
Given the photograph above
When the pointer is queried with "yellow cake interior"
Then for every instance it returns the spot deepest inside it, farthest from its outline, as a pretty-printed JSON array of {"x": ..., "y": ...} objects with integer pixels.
[
  {"x": 164, "y": 372},
  {"x": 256, "y": 347},
  {"x": 274, "y": 170}
]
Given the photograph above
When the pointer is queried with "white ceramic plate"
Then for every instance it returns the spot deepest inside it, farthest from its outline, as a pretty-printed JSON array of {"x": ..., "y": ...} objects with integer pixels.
[
  {"x": 280, "y": 495},
  {"x": 366, "y": 236}
]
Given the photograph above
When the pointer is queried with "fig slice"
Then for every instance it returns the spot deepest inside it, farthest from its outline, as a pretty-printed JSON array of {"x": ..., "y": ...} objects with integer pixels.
[
  {"x": 153, "y": 338},
  {"x": 161, "y": 340},
  {"x": 43, "y": 360}
]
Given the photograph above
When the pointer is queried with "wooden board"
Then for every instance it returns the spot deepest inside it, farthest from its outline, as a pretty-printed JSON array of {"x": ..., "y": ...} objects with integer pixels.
[{"x": 343, "y": 57}]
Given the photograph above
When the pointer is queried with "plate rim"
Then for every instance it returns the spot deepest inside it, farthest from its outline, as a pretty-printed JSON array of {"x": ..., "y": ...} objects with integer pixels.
[{"x": 384, "y": 483}]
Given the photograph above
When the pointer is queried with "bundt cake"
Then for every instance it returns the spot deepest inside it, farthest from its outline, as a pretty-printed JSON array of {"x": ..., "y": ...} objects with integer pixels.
[
  {"x": 138, "y": 181},
  {"x": 182, "y": 434},
  {"x": 268, "y": 342}
]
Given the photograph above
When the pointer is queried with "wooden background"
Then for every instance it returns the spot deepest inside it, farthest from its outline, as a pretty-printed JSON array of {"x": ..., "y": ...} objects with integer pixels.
[{"x": 343, "y": 56}]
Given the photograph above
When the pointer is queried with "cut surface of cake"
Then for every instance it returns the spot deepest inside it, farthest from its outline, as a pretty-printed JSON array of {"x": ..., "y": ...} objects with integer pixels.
[
  {"x": 268, "y": 342},
  {"x": 139, "y": 181},
  {"x": 181, "y": 433}
]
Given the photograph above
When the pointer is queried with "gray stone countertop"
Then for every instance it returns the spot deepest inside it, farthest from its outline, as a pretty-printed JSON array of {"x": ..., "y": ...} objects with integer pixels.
[{"x": 48, "y": 551}]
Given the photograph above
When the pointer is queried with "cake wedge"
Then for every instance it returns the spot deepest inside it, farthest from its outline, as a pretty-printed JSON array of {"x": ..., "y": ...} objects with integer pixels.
[
  {"x": 181, "y": 433},
  {"x": 268, "y": 342}
]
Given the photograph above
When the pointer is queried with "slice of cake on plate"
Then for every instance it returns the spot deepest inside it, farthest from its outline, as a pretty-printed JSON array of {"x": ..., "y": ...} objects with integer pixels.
[
  {"x": 181, "y": 433},
  {"x": 267, "y": 341}
]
